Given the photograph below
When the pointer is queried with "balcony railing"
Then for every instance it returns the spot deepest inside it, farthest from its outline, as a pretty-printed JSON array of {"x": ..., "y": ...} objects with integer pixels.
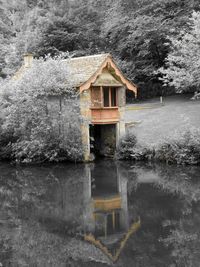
[{"x": 104, "y": 115}]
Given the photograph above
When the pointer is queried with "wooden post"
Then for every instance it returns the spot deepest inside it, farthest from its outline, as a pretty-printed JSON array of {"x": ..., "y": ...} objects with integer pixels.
[
  {"x": 117, "y": 96},
  {"x": 109, "y": 88},
  {"x": 101, "y": 96}
]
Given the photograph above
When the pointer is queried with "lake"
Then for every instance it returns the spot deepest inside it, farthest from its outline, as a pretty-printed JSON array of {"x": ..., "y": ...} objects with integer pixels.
[{"x": 105, "y": 213}]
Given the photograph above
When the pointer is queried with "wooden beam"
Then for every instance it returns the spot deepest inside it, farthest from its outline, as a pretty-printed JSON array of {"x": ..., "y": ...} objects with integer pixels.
[
  {"x": 101, "y": 95},
  {"x": 109, "y": 96}
]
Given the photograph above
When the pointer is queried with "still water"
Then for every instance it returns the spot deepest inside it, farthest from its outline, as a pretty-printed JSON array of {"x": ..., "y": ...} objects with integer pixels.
[{"x": 100, "y": 214}]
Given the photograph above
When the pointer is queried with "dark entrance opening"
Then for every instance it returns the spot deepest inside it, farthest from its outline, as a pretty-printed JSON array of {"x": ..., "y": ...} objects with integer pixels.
[{"x": 103, "y": 139}]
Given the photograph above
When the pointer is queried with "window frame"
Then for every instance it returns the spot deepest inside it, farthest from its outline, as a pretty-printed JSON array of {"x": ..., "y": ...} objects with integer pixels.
[{"x": 109, "y": 88}]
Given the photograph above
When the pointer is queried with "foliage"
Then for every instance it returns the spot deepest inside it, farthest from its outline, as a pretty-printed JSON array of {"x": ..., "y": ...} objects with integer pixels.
[
  {"x": 129, "y": 149},
  {"x": 184, "y": 148},
  {"x": 138, "y": 31},
  {"x": 20, "y": 33},
  {"x": 183, "y": 61},
  {"x": 126, "y": 145},
  {"x": 33, "y": 128},
  {"x": 135, "y": 33}
]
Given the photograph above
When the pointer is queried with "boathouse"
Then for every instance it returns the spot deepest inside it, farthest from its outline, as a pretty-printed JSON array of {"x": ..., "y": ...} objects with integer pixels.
[
  {"x": 102, "y": 97},
  {"x": 102, "y": 88}
]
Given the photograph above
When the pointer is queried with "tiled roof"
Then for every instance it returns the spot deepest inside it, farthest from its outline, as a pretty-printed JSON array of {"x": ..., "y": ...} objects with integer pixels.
[
  {"x": 81, "y": 71},
  {"x": 82, "y": 68}
]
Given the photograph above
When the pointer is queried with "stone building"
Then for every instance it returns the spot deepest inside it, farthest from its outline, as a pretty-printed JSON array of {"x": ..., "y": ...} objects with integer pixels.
[{"x": 102, "y": 96}]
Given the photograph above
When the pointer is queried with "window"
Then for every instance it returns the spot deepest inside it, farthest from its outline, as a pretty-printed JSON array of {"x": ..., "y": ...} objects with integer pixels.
[
  {"x": 106, "y": 97},
  {"x": 109, "y": 97},
  {"x": 113, "y": 97}
]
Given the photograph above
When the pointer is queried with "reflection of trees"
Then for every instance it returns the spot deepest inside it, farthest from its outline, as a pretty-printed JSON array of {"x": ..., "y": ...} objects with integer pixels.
[
  {"x": 183, "y": 235},
  {"x": 169, "y": 212},
  {"x": 31, "y": 198},
  {"x": 181, "y": 232},
  {"x": 182, "y": 181}
]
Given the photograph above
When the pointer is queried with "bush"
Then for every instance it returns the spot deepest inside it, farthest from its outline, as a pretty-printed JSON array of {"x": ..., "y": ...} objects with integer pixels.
[
  {"x": 184, "y": 148},
  {"x": 126, "y": 146},
  {"x": 129, "y": 149},
  {"x": 41, "y": 117}
]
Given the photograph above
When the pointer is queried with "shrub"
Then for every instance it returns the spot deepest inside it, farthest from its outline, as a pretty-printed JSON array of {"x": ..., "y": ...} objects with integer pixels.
[
  {"x": 41, "y": 118},
  {"x": 129, "y": 149},
  {"x": 184, "y": 148},
  {"x": 126, "y": 146}
]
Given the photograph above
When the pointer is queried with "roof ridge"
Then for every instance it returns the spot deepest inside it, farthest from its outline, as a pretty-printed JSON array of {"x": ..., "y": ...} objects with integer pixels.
[{"x": 89, "y": 56}]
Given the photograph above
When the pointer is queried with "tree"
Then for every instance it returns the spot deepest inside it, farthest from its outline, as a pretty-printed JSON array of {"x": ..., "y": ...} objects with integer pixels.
[
  {"x": 75, "y": 30},
  {"x": 183, "y": 62},
  {"x": 137, "y": 31},
  {"x": 21, "y": 24},
  {"x": 36, "y": 135}
]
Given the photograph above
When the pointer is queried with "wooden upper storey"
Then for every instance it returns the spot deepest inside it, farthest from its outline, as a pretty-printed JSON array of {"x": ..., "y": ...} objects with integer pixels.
[
  {"x": 107, "y": 88},
  {"x": 105, "y": 101}
]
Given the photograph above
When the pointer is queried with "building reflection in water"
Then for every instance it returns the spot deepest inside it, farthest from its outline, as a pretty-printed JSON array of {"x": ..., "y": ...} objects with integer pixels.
[
  {"x": 106, "y": 217},
  {"x": 92, "y": 201}
]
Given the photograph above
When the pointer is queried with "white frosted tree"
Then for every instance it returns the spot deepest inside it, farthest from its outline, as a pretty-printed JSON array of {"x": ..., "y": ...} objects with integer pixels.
[{"x": 182, "y": 68}]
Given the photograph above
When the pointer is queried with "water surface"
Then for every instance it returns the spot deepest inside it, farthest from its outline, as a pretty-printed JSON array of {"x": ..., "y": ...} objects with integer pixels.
[{"x": 48, "y": 212}]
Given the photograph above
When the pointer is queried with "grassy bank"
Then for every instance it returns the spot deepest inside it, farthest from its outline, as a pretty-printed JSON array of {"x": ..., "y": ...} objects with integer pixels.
[
  {"x": 158, "y": 124},
  {"x": 168, "y": 132}
]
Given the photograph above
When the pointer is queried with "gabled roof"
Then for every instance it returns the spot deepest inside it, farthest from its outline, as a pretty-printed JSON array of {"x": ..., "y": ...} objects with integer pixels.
[{"x": 83, "y": 71}]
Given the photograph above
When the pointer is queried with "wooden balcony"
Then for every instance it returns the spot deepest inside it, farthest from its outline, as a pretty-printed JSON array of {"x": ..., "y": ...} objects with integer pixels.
[{"x": 104, "y": 115}]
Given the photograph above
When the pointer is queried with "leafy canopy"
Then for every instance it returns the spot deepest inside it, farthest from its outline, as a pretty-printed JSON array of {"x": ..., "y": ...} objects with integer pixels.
[{"x": 182, "y": 68}]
